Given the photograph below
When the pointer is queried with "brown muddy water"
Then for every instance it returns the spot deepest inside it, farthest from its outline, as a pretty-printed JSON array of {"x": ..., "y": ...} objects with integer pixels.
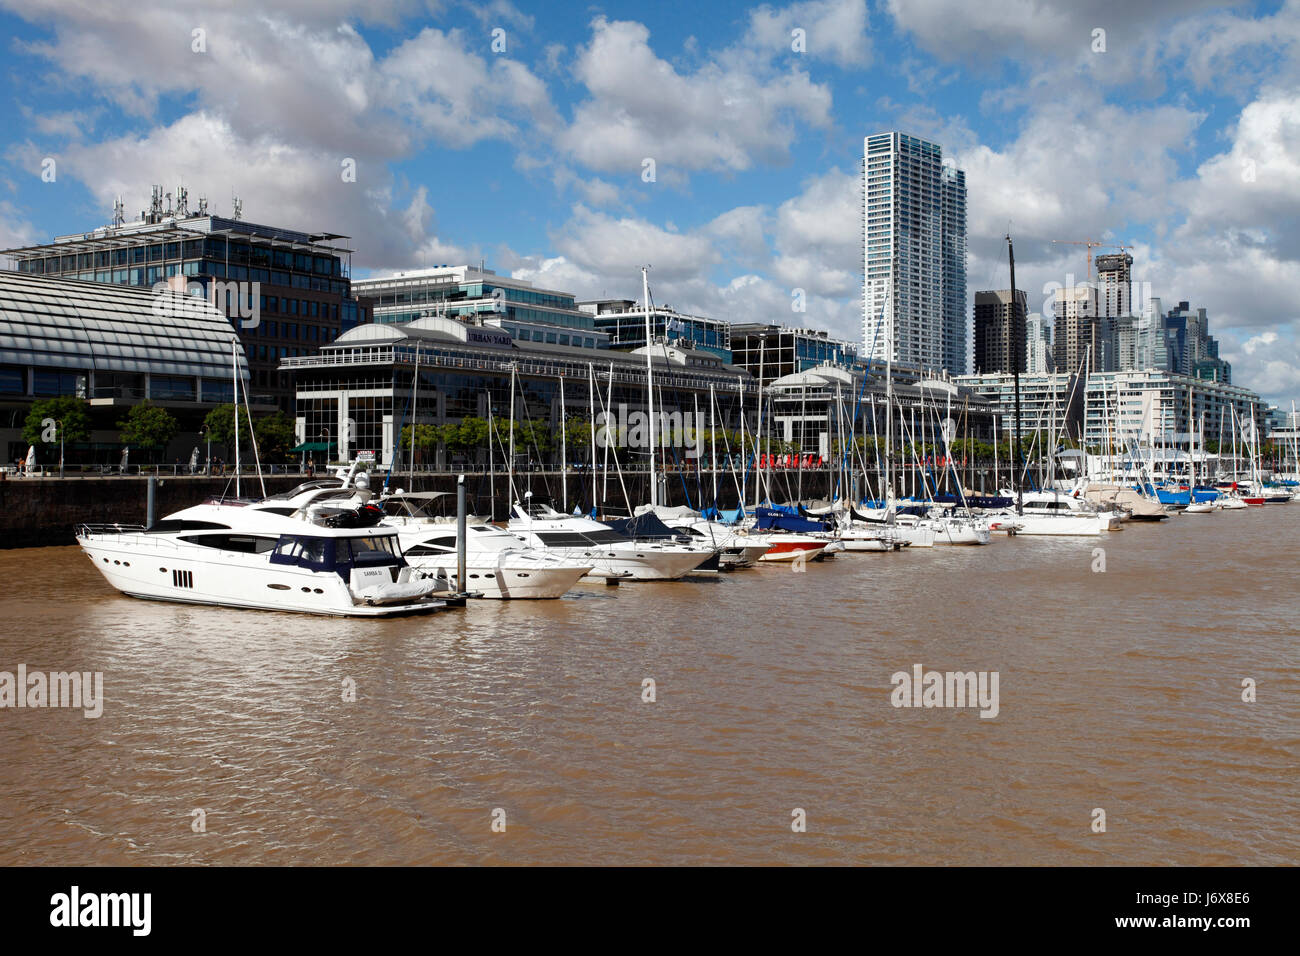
[{"x": 1119, "y": 690}]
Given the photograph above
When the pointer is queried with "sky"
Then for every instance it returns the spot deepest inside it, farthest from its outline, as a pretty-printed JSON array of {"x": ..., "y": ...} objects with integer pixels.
[{"x": 568, "y": 144}]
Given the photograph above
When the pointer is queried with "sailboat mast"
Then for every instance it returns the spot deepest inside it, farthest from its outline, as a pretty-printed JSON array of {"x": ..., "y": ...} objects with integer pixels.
[
  {"x": 649, "y": 383},
  {"x": 1015, "y": 374},
  {"x": 591, "y": 398},
  {"x": 510, "y": 465},
  {"x": 234, "y": 363},
  {"x": 713, "y": 448},
  {"x": 415, "y": 409},
  {"x": 564, "y": 453}
]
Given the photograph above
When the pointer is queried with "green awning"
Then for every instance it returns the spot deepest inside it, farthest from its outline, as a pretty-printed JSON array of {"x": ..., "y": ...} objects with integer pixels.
[{"x": 315, "y": 446}]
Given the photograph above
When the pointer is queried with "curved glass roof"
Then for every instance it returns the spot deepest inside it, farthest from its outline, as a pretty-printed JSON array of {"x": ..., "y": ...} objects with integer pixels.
[{"x": 68, "y": 323}]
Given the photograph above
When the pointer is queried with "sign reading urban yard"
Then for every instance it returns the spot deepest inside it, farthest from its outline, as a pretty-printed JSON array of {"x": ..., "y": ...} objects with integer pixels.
[{"x": 495, "y": 338}]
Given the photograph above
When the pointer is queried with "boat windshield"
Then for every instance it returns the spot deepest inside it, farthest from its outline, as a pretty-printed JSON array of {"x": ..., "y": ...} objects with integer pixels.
[{"x": 336, "y": 554}]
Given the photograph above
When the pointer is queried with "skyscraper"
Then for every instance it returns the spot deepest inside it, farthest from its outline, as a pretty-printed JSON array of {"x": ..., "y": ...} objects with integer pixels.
[
  {"x": 1000, "y": 331},
  {"x": 1114, "y": 284},
  {"x": 914, "y": 254}
]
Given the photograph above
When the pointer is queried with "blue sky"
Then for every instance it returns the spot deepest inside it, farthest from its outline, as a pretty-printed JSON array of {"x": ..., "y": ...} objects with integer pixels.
[{"x": 1176, "y": 131}]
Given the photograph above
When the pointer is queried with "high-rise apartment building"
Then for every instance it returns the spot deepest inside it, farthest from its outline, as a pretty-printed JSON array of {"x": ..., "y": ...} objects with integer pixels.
[
  {"x": 1038, "y": 345},
  {"x": 1000, "y": 344},
  {"x": 914, "y": 254},
  {"x": 1114, "y": 284}
]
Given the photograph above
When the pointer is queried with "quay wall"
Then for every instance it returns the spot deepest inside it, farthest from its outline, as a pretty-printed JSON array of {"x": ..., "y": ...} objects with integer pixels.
[{"x": 43, "y": 511}]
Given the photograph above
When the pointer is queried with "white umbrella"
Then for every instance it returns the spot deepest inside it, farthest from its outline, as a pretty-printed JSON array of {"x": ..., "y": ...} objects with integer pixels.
[{"x": 30, "y": 467}]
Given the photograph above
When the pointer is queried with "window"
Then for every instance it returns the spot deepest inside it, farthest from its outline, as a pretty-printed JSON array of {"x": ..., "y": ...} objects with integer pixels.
[
  {"x": 242, "y": 543},
  {"x": 46, "y": 383}
]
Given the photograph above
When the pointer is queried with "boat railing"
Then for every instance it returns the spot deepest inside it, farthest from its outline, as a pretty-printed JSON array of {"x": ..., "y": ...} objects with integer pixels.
[
  {"x": 87, "y": 528},
  {"x": 139, "y": 531}
]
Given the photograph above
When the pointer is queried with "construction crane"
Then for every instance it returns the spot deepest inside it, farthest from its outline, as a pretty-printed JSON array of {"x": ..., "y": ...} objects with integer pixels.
[{"x": 1091, "y": 244}]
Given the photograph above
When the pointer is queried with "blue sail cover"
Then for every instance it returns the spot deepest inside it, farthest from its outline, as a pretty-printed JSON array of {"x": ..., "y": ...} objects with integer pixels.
[{"x": 770, "y": 519}]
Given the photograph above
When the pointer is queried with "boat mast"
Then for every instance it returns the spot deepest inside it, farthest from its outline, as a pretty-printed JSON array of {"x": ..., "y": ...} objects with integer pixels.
[
  {"x": 415, "y": 408},
  {"x": 591, "y": 398},
  {"x": 889, "y": 402},
  {"x": 713, "y": 448},
  {"x": 510, "y": 466},
  {"x": 1015, "y": 374},
  {"x": 234, "y": 363},
  {"x": 564, "y": 454},
  {"x": 649, "y": 382}
]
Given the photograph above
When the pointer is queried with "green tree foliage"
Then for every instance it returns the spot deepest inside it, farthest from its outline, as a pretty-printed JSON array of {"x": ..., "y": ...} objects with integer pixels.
[
  {"x": 219, "y": 426},
  {"x": 275, "y": 434},
  {"x": 148, "y": 426},
  {"x": 68, "y": 410}
]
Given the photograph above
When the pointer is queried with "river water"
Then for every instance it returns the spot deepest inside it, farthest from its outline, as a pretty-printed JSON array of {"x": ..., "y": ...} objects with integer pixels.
[{"x": 1118, "y": 689}]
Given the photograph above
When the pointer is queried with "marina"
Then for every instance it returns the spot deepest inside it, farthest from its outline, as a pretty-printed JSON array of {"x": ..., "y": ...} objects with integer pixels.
[{"x": 1119, "y": 689}]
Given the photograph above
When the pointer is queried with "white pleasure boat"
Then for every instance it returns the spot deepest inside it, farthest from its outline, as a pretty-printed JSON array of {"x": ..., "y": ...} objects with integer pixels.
[{"x": 227, "y": 553}]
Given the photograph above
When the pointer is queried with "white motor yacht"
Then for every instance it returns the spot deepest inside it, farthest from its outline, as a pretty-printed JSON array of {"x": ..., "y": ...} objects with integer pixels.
[
  {"x": 498, "y": 564},
  {"x": 225, "y": 552},
  {"x": 611, "y": 554}
]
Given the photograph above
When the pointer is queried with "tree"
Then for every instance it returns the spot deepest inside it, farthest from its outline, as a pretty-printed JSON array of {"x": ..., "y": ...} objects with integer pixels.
[
  {"x": 52, "y": 420},
  {"x": 148, "y": 426},
  {"x": 470, "y": 435},
  {"x": 220, "y": 426},
  {"x": 275, "y": 434},
  {"x": 426, "y": 436}
]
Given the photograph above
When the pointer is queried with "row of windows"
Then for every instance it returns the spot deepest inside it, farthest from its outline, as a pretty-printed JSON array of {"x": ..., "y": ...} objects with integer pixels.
[
  {"x": 524, "y": 334},
  {"x": 218, "y": 249},
  {"x": 304, "y": 307}
]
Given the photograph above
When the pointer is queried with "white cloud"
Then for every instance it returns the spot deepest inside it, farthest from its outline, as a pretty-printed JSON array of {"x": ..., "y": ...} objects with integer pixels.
[
  {"x": 836, "y": 30},
  {"x": 719, "y": 117}
]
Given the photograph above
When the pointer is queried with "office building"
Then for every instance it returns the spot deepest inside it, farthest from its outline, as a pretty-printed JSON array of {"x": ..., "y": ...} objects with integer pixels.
[
  {"x": 479, "y": 296},
  {"x": 110, "y": 346},
  {"x": 767, "y": 352},
  {"x": 624, "y": 320},
  {"x": 285, "y": 292}
]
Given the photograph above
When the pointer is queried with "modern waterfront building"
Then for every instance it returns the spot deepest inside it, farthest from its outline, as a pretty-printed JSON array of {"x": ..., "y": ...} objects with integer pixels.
[
  {"x": 624, "y": 320},
  {"x": 1051, "y": 402},
  {"x": 357, "y": 392},
  {"x": 286, "y": 292},
  {"x": 1160, "y": 408},
  {"x": 476, "y": 293},
  {"x": 1000, "y": 331},
  {"x": 111, "y": 347},
  {"x": 815, "y": 408},
  {"x": 914, "y": 267},
  {"x": 767, "y": 352}
]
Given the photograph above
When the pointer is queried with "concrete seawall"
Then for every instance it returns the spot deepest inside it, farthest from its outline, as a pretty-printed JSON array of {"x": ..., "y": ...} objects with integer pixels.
[{"x": 41, "y": 512}]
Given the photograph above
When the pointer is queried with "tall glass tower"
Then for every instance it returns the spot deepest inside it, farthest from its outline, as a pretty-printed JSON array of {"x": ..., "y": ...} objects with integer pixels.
[{"x": 914, "y": 254}]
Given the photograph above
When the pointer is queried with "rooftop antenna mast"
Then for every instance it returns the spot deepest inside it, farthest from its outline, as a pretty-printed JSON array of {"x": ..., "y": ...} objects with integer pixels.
[
  {"x": 119, "y": 212},
  {"x": 237, "y": 207}
]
